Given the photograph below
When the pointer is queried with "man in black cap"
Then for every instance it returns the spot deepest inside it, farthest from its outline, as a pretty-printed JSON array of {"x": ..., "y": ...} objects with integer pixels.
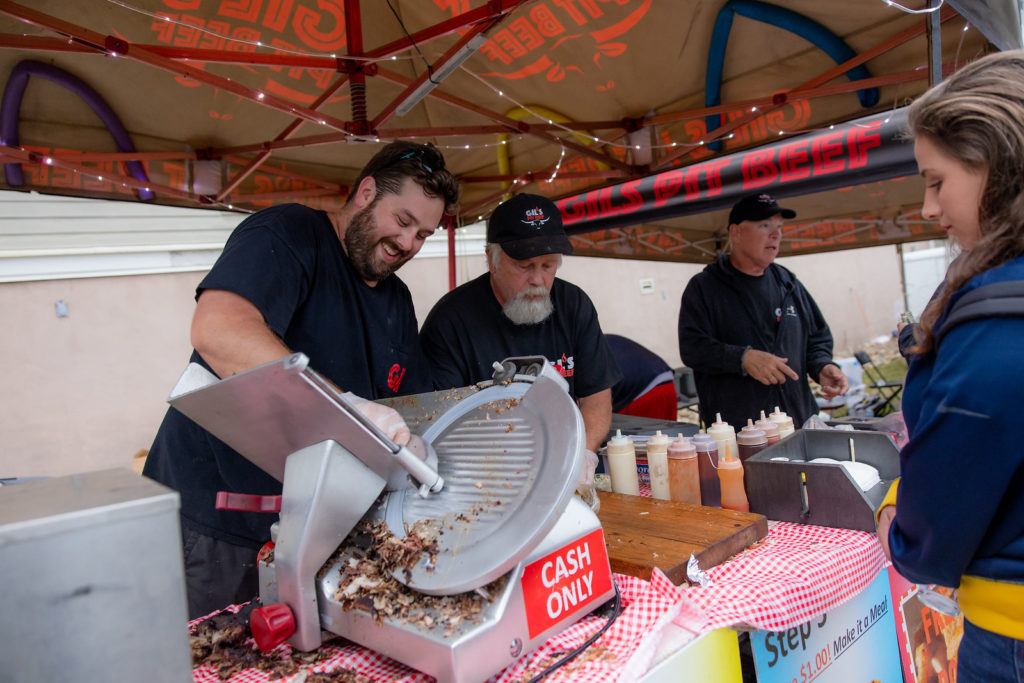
[
  {"x": 519, "y": 308},
  {"x": 750, "y": 330}
]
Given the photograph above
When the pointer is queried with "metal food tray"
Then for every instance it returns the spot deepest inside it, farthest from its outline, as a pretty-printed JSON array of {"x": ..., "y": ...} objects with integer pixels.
[{"x": 833, "y": 498}]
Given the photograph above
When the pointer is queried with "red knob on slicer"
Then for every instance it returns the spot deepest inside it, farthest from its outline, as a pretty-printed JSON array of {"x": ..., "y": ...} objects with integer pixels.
[{"x": 271, "y": 625}]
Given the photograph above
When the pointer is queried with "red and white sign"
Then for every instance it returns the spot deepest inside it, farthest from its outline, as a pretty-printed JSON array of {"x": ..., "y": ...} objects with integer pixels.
[{"x": 566, "y": 582}]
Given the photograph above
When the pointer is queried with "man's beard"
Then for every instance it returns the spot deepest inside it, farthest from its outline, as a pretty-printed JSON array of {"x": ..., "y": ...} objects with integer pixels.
[
  {"x": 361, "y": 246},
  {"x": 523, "y": 311}
]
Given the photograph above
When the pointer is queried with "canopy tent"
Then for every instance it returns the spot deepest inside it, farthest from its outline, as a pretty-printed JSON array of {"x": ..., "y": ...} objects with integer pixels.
[{"x": 246, "y": 103}]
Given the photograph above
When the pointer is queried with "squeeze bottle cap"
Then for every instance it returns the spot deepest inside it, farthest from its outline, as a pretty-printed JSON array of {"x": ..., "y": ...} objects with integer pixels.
[
  {"x": 767, "y": 425},
  {"x": 658, "y": 438},
  {"x": 720, "y": 427},
  {"x": 751, "y": 435},
  {"x": 780, "y": 417},
  {"x": 704, "y": 441},
  {"x": 618, "y": 439},
  {"x": 729, "y": 461},
  {"x": 681, "y": 447}
]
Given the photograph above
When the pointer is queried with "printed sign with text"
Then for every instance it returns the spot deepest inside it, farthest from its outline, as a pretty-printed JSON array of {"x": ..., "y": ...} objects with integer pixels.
[{"x": 854, "y": 643}]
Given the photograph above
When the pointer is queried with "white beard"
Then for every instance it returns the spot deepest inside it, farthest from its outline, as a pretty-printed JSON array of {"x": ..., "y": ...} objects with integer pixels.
[{"x": 523, "y": 311}]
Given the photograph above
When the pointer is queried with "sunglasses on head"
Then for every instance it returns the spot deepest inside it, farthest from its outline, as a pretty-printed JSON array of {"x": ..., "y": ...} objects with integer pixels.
[{"x": 417, "y": 154}]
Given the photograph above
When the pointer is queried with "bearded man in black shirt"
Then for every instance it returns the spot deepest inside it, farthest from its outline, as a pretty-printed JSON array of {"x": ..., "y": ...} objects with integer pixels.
[
  {"x": 292, "y": 278},
  {"x": 519, "y": 308},
  {"x": 750, "y": 330}
]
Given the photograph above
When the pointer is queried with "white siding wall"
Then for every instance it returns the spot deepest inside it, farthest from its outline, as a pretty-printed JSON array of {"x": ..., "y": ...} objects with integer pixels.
[{"x": 86, "y": 391}]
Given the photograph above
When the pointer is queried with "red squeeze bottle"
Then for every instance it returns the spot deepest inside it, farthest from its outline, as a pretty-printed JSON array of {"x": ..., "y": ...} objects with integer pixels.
[
  {"x": 683, "y": 474},
  {"x": 707, "y": 467},
  {"x": 730, "y": 472},
  {"x": 751, "y": 439}
]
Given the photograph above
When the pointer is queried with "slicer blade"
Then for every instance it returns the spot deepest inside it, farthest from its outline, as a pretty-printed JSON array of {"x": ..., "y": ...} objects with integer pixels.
[{"x": 510, "y": 456}]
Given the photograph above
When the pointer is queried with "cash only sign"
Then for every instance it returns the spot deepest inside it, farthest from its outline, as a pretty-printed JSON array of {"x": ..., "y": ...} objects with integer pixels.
[
  {"x": 856, "y": 642},
  {"x": 565, "y": 582}
]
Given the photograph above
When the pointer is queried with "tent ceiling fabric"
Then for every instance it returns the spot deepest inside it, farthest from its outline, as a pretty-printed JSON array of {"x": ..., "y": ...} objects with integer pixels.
[{"x": 250, "y": 102}]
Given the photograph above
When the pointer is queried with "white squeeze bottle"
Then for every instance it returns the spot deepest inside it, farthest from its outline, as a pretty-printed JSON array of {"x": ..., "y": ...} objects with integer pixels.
[
  {"x": 784, "y": 421},
  {"x": 657, "y": 465},
  {"x": 725, "y": 435},
  {"x": 622, "y": 464}
]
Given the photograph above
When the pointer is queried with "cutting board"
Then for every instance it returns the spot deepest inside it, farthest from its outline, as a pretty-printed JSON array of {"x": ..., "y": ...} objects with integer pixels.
[{"x": 643, "y": 533}]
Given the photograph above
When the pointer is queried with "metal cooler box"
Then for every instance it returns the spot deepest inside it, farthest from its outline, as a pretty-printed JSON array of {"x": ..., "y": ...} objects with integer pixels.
[
  {"x": 783, "y": 485},
  {"x": 92, "y": 578}
]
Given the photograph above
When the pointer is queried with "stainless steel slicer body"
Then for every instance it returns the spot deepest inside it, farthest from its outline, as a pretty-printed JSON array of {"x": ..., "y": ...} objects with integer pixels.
[{"x": 496, "y": 493}]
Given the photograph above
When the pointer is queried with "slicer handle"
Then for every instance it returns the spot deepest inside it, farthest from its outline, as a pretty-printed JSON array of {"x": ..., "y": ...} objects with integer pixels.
[
  {"x": 247, "y": 502},
  {"x": 271, "y": 625}
]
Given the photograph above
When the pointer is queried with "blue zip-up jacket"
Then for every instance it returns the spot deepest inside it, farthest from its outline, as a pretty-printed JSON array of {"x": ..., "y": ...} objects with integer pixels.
[{"x": 960, "y": 501}]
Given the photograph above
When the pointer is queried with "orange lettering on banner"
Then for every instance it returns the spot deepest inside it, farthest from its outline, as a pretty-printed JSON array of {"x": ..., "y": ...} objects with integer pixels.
[
  {"x": 188, "y": 36},
  {"x": 164, "y": 29},
  {"x": 244, "y": 10},
  {"x": 524, "y": 38},
  {"x": 322, "y": 31},
  {"x": 570, "y": 7},
  {"x": 528, "y": 35},
  {"x": 513, "y": 48},
  {"x": 246, "y": 39},
  {"x": 791, "y": 117},
  {"x": 545, "y": 21},
  {"x": 213, "y": 39},
  {"x": 277, "y": 14},
  {"x": 94, "y": 184}
]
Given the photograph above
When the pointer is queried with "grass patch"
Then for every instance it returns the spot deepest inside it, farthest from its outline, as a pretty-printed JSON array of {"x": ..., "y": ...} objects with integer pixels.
[{"x": 893, "y": 371}]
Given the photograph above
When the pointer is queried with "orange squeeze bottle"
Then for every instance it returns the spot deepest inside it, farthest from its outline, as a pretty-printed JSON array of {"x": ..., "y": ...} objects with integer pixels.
[{"x": 730, "y": 473}]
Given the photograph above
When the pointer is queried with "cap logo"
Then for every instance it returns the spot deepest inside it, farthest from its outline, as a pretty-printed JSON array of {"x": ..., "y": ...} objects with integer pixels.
[
  {"x": 535, "y": 218},
  {"x": 767, "y": 198}
]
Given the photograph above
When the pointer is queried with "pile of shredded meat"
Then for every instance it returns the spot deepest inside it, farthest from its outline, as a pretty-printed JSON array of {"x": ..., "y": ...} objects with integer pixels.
[
  {"x": 367, "y": 583},
  {"x": 223, "y": 642}
]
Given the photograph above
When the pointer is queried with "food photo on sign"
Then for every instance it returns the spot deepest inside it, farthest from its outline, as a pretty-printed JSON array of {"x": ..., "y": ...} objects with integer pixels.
[{"x": 929, "y": 628}]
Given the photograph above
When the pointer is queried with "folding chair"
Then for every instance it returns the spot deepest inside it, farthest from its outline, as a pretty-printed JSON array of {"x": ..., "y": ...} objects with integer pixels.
[
  {"x": 887, "y": 390},
  {"x": 686, "y": 389}
]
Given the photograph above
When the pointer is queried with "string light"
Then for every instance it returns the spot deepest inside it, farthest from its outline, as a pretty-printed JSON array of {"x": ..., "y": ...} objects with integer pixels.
[
  {"x": 558, "y": 166},
  {"x": 927, "y": 10}
]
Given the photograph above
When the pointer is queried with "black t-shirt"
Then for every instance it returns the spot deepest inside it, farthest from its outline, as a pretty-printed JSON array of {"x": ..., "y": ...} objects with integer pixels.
[
  {"x": 466, "y": 332},
  {"x": 288, "y": 262}
]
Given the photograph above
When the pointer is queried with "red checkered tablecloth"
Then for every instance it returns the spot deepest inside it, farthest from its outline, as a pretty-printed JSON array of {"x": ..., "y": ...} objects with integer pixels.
[{"x": 794, "y": 574}]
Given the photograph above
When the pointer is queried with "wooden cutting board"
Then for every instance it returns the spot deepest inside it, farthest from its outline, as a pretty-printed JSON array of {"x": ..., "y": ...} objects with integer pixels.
[{"x": 643, "y": 533}]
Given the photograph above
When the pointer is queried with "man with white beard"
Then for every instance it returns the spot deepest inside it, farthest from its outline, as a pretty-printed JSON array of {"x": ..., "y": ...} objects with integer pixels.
[{"x": 519, "y": 308}]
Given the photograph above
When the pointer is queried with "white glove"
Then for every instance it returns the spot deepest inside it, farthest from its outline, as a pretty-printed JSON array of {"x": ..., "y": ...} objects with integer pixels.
[
  {"x": 589, "y": 467},
  {"x": 384, "y": 418},
  {"x": 585, "y": 485}
]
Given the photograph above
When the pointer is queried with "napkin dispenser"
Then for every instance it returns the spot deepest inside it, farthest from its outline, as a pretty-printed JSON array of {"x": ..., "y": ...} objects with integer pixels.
[{"x": 784, "y": 485}]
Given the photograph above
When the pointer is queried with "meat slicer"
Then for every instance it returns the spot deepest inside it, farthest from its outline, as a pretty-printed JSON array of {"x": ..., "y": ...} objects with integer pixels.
[{"x": 492, "y": 483}]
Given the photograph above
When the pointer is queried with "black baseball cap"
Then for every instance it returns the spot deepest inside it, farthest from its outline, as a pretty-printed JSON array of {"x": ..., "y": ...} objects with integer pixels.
[
  {"x": 528, "y": 225},
  {"x": 757, "y": 207}
]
